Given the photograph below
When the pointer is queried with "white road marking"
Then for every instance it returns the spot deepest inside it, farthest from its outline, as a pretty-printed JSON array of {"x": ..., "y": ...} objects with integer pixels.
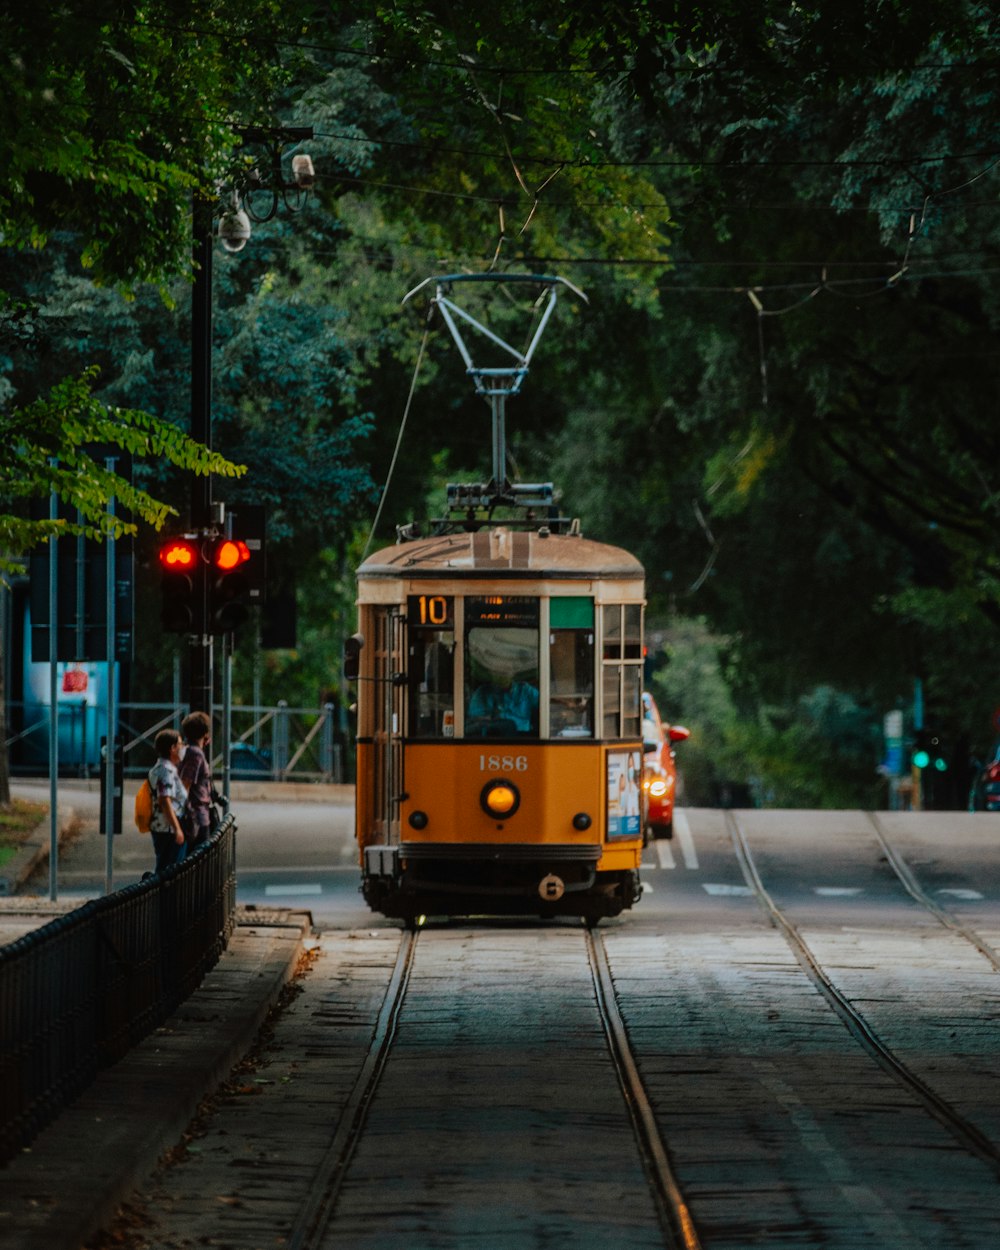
[
  {"x": 312, "y": 887},
  {"x": 731, "y": 891},
  {"x": 838, "y": 891},
  {"x": 273, "y": 872},
  {"x": 664, "y": 854},
  {"x": 646, "y": 887},
  {"x": 683, "y": 831},
  {"x": 969, "y": 895}
]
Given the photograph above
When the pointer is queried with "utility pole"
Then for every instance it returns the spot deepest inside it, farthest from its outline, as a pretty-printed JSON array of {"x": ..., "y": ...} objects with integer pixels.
[
  {"x": 200, "y": 683},
  {"x": 263, "y": 181}
]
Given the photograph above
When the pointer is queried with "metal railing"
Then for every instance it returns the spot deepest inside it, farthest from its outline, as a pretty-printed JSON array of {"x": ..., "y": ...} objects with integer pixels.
[
  {"x": 76, "y": 994},
  {"x": 268, "y": 743}
]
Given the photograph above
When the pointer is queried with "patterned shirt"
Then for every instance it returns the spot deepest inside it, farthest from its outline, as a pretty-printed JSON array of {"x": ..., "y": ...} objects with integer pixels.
[{"x": 164, "y": 780}]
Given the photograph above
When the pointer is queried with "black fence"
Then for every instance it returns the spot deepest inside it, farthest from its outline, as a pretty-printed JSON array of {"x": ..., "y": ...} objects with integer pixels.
[{"x": 78, "y": 993}]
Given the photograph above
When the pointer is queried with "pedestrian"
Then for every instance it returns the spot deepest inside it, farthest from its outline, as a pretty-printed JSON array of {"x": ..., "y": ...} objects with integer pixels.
[
  {"x": 169, "y": 801},
  {"x": 196, "y": 775}
]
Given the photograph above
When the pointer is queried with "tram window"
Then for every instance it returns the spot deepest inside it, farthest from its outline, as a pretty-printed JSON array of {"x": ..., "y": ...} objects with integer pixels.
[
  {"x": 432, "y": 683},
  {"x": 571, "y": 668},
  {"x": 501, "y": 666},
  {"x": 622, "y": 670},
  {"x": 631, "y": 712},
  {"x": 633, "y": 631}
]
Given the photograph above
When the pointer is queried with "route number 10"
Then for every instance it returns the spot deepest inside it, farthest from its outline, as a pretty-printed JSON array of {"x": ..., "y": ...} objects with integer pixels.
[{"x": 430, "y": 610}]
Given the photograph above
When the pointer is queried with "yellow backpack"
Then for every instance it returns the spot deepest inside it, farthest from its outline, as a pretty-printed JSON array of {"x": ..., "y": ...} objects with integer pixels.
[{"x": 144, "y": 807}]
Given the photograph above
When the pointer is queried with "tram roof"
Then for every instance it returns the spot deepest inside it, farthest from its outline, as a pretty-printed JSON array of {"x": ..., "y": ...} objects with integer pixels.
[{"x": 502, "y": 550}]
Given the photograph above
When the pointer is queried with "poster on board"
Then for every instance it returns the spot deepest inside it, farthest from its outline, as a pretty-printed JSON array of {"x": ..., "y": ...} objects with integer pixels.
[{"x": 624, "y": 780}]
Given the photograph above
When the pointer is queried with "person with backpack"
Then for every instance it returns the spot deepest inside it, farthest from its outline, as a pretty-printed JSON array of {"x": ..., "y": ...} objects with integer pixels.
[
  {"x": 197, "y": 777},
  {"x": 169, "y": 800}
]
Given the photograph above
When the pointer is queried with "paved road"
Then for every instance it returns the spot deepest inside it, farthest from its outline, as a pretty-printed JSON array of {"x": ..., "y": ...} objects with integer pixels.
[
  {"x": 783, "y": 1130},
  {"x": 291, "y": 852}
]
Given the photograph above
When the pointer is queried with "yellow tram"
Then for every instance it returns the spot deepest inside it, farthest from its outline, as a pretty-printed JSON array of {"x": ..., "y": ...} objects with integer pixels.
[
  {"x": 499, "y": 669},
  {"x": 499, "y": 725}
]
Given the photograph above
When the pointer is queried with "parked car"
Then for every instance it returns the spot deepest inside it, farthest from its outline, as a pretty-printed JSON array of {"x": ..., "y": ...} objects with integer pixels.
[
  {"x": 985, "y": 793},
  {"x": 246, "y": 761},
  {"x": 659, "y": 767}
]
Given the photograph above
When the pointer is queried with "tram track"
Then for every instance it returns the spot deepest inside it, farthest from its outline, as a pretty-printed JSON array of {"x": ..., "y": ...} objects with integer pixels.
[
  {"x": 316, "y": 1212},
  {"x": 916, "y": 891},
  {"x": 963, "y": 1130},
  {"x": 317, "y": 1218},
  {"x": 671, "y": 1205}
]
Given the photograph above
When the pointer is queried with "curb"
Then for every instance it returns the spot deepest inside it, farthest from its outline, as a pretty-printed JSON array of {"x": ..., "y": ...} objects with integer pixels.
[{"x": 34, "y": 852}]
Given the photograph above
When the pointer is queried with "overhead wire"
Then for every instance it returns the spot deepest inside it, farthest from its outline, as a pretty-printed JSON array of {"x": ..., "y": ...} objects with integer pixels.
[{"x": 399, "y": 437}]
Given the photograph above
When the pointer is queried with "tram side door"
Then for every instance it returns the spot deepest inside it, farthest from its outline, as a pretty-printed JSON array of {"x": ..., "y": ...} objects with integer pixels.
[{"x": 389, "y": 721}]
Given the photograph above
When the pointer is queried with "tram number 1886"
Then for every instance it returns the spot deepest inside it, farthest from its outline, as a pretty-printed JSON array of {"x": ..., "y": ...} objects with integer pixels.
[{"x": 503, "y": 763}]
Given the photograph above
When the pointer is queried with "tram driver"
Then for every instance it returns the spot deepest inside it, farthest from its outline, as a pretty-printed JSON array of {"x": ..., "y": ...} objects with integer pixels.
[
  {"x": 502, "y": 694},
  {"x": 503, "y": 700}
]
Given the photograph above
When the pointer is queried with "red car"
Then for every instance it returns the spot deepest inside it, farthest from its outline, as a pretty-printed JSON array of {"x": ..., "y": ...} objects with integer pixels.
[{"x": 659, "y": 767}]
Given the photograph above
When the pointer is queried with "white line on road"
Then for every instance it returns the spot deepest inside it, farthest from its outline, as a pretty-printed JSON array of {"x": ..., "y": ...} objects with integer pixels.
[
  {"x": 838, "y": 891},
  {"x": 683, "y": 830},
  {"x": 664, "y": 854},
  {"x": 969, "y": 895},
  {"x": 313, "y": 887},
  {"x": 732, "y": 891}
]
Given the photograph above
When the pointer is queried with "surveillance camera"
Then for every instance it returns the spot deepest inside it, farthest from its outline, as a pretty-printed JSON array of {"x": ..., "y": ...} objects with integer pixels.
[
  {"x": 234, "y": 229},
  {"x": 302, "y": 171}
]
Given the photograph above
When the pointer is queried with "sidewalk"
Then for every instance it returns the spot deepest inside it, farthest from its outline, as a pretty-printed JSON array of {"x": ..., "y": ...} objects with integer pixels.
[
  {"x": 68, "y": 1184},
  {"x": 64, "y": 1187}
]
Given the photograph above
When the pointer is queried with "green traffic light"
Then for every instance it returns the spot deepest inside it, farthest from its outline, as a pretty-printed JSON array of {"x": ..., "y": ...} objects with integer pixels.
[{"x": 921, "y": 759}]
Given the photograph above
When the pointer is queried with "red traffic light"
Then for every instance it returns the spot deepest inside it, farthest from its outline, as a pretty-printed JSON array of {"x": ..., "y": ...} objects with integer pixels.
[
  {"x": 230, "y": 554},
  {"x": 178, "y": 555}
]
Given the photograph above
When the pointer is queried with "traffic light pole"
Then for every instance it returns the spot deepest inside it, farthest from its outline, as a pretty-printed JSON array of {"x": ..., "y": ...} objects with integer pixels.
[{"x": 200, "y": 682}]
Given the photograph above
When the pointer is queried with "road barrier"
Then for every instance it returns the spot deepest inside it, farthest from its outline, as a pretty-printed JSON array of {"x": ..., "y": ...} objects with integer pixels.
[
  {"x": 78, "y": 993},
  {"x": 268, "y": 743}
]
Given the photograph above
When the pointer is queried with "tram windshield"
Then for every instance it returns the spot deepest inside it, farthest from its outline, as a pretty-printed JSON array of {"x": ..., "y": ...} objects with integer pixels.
[
  {"x": 501, "y": 666},
  {"x": 495, "y": 643}
]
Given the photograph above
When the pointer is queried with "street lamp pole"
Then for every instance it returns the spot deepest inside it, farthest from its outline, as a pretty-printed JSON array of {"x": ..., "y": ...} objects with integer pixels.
[
  {"x": 234, "y": 231},
  {"x": 200, "y": 684}
]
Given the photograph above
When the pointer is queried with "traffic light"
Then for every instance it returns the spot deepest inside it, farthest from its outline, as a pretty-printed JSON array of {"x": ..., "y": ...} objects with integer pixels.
[
  {"x": 353, "y": 647},
  {"x": 180, "y": 583},
  {"x": 930, "y": 760},
  {"x": 929, "y": 752},
  {"x": 229, "y": 585}
]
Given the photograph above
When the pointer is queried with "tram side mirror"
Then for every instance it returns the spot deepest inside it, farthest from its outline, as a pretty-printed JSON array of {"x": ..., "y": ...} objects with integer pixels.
[
  {"x": 677, "y": 733},
  {"x": 352, "y": 656}
]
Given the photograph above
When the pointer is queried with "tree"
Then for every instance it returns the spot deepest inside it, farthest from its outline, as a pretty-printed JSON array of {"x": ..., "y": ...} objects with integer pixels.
[
  {"x": 111, "y": 118},
  {"x": 43, "y": 451}
]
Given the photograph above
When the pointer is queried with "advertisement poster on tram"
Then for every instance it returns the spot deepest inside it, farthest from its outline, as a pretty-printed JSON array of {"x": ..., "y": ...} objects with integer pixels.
[{"x": 623, "y": 794}]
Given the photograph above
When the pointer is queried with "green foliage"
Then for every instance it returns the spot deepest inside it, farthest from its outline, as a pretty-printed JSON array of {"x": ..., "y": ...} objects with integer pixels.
[
  {"x": 781, "y": 392},
  {"x": 819, "y": 750},
  {"x": 49, "y": 447},
  {"x": 113, "y": 114}
]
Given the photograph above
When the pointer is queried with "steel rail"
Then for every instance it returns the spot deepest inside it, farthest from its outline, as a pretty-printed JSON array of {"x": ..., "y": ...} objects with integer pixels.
[
  {"x": 672, "y": 1209},
  {"x": 966, "y": 1133},
  {"x": 314, "y": 1217},
  {"x": 916, "y": 891}
]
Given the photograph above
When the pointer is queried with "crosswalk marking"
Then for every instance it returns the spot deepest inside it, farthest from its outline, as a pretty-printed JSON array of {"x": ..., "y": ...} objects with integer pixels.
[
  {"x": 838, "y": 891},
  {"x": 683, "y": 831},
  {"x": 664, "y": 854},
  {"x": 312, "y": 887},
  {"x": 731, "y": 891}
]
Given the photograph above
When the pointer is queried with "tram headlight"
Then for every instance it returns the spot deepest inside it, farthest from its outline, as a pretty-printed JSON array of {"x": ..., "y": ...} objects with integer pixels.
[
  {"x": 418, "y": 820},
  {"x": 582, "y": 821},
  {"x": 500, "y": 799}
]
